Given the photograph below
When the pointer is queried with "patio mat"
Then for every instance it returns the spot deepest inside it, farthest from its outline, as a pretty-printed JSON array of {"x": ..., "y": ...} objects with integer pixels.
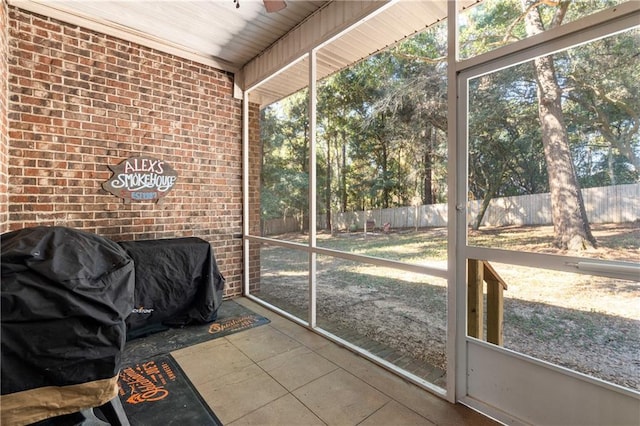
[
  {"x": 232, "y": 317},
  {"x": 157, "y": 392}
]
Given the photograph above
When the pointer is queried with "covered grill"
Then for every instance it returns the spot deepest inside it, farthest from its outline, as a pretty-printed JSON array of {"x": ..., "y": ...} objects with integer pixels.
[{"x": 65, "y": 297}]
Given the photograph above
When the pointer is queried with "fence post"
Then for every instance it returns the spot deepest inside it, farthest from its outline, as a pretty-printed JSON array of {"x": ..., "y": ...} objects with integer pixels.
[
  {"x": 495, "y": 308},
  {"x": 475, "y": 302},
  {"x": 495, "y": 304}
]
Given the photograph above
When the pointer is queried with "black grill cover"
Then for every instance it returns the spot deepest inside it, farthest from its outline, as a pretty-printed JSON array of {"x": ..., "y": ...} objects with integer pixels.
[
  {"x": 177, "y": 283},
  {"x": 65, "y": 297}
]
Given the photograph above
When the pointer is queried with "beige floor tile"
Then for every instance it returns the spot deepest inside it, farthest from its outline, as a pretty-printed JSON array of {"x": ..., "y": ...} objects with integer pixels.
[
  {"x": 263, "y": 342},
  {"x": 285, "y": 411},
  {"x": 339, "y": 398},
  {"x": 381, "y": 379},
  {"x": 428, "y": 405},
  {"x": 340, "y": 387},
  {"x": 199, "y": 347},
  {"x": 457, "y": 415},
  {"x": 301, "y": 334},
  {"x": 255, "y": 307},
  {"x": 235, "y": 395},
  {"x": 341, "y": 356},
  {"x": 209, "y": 361},
  {"x": 297, "y": 367},
  {"x": 397, "y": 415}
]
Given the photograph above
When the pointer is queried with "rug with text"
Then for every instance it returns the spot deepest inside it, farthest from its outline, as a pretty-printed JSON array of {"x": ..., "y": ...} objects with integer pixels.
[
  {"x": 153, "y": 388},
  {"x": 157, "y": 392},
  {"x": 232, "y": 318}
]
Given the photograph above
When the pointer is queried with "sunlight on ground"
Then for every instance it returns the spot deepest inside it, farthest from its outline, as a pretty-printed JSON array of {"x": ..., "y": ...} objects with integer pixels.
[
  {"x": 427, "y": 247},
  {"x": 583, "y": 322}
]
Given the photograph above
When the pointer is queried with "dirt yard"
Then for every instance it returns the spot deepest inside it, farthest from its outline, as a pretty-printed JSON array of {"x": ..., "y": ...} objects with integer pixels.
[{"x": 585, "y": 323}]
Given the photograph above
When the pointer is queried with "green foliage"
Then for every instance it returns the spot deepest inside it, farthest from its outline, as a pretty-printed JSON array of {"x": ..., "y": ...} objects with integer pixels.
[
  {"x": 493, "y": 23},
  {"x": 505, "y": 135},
  {"x": 381, "y": 128},
  {"x": 603, "y": 106},
  {"x": 284, "y": 172}
]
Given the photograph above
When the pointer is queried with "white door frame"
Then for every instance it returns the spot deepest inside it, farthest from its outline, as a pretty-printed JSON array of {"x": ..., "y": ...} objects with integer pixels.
[{"x": 512, "y": 387}]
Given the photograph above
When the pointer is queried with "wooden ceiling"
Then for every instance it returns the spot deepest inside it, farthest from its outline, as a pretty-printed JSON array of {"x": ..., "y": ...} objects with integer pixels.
[
  {"x": 242, "y": 37},
  {"x": 227, "y": 32}
]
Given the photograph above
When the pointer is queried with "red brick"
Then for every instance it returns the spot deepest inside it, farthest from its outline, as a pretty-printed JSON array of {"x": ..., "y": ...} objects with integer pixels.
[{"x": 118, "y": 100}]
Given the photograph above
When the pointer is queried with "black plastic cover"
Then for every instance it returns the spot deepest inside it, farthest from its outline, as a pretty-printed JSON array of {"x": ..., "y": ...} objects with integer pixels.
[
  {"x": 177, "y": 283},
  {"x": 65, "y": 296}
]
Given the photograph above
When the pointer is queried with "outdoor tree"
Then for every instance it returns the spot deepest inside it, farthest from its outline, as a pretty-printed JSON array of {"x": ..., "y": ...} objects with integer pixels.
[
  {"x": 558, "y": 79},
  {"x": 571, "y": 227},
  {"x": 504, "y": 138},
  {"x": 603, "y": 82},
  {"x": 553, "y": 124},
  {"x": 375, "y": 150},
  {"x": 284, "y": 171},
  {"x": 339, "y": 124},
  {"x": 418, "y": 103}
]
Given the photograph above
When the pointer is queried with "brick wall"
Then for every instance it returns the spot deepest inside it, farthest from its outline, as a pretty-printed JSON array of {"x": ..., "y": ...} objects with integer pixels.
[
  {"x": 4, "y": 163},
  {"x": 255, "y": 166},
  {"x": 80, "y": 101}
]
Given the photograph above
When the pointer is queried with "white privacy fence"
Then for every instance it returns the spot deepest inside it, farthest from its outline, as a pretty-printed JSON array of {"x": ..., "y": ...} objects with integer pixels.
[{"x": 610, "y": 204}]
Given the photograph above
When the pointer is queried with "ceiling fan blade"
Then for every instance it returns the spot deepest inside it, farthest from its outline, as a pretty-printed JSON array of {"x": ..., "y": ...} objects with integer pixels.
[{"x": 274, "y": 5}]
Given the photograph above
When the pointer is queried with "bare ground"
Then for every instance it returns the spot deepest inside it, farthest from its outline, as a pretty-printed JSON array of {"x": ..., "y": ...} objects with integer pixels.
[{"x": 588, "y": 324}]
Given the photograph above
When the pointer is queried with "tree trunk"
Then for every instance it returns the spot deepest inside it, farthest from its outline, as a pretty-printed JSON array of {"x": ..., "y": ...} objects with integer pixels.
[
  {"x": 427, "y": 194},
  {"x": 343, "y": 177},
  {"x": 570, "y": 224},
  {"x": 327, "y": 191},
  {"x": 386, "y": 193},
  {"x": 493, "y": 182}
]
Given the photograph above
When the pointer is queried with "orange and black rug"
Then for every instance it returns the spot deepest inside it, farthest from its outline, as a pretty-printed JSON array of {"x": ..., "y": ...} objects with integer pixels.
[
  {"x": 153, "y": 388},
  {"x": 157, "y": 392},
  {"x": 232, "y": 318}
]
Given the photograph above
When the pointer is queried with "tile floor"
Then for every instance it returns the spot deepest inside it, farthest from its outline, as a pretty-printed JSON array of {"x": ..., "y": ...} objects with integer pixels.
[{"x": 283, "y": 374}]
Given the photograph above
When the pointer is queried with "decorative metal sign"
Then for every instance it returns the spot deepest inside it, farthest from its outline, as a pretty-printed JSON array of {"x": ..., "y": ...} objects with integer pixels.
[{"x": 141, "y": 179}]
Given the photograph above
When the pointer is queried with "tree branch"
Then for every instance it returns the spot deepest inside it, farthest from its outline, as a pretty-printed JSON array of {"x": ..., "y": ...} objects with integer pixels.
[{"x": 420, "y": 58}]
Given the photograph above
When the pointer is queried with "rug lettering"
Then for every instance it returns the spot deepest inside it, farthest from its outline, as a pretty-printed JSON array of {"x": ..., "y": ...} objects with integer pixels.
[
  {"x": 145, "y": 382},
  {"x": 233, "y": 324}
]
